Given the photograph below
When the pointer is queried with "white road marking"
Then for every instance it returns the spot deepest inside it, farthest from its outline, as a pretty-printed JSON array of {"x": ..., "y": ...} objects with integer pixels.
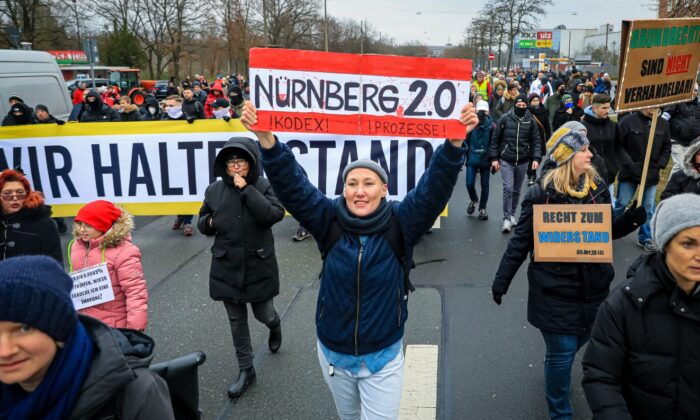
[{"x": 419, "y": 394}]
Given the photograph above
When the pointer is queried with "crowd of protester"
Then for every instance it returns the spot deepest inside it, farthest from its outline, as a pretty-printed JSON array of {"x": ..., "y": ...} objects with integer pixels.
[{"x": 552, "y": 129}]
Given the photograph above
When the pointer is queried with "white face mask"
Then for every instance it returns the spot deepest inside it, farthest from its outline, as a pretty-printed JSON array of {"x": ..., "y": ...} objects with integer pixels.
[
  {"x": 152, "y": 110},
  {"x": 221, "y": 113},
  {"x": 175, "y": 112}
]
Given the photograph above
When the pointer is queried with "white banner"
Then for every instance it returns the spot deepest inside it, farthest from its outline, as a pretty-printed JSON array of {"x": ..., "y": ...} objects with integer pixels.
[{"x": 160, "y": 168}]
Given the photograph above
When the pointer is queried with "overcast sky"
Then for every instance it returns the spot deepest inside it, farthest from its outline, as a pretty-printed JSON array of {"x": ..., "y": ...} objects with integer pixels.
[{"x": 441, "y": 20}]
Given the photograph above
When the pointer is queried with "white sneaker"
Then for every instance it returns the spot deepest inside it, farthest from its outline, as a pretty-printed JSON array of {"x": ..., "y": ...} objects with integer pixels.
[
  {"x": 506, "y": 226},
  {"x": 513, "y": 221}
]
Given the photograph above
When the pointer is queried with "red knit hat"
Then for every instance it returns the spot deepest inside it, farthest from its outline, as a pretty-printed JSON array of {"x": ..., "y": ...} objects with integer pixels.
[{"x": 100, "y": 214}]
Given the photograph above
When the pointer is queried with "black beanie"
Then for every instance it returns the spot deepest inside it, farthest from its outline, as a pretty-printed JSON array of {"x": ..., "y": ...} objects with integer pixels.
[
  {"x": 521, "y": 98},
  {"x": 41, "y": 107},
  {"x": 35, "y": 290}
]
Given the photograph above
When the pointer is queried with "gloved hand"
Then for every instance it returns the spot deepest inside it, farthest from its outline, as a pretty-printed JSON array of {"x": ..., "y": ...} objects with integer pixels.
[
  {"x": 191, "y": 119},
  {"x": 497, "y": 296},
  {"x": 226, "y": 118},
  {"x": 636, "y": 215},
  {"x": 60, "y": 122}
]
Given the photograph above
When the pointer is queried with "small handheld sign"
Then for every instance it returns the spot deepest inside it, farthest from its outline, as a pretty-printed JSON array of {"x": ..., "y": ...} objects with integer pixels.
[
  {"x": 91, "y": 286},
  {"x": 572, "y": 233}
]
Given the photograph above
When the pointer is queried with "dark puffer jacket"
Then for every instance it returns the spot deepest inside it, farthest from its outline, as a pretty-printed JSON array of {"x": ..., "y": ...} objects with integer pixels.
[
  {"x": 119, "y": 379},
  {"x": 478, "y": 143},
  {"x": 684, "y": 121},
  {"x": 361, "y": 306},
  {"x": 515, "y": 140},
  {"x": 634, "y": 132},
  {"x": 243, "y": 264},
  {"x": 604, "y": 136},
  {"x": 30, "y": 231},
  {"x": 643, "y": 360},
  {"x": 563, "y": 297},
  {"x": 562, "y": 117},
  {"x": 98, "y": 111},
  {"x": 686, "y": 180}
]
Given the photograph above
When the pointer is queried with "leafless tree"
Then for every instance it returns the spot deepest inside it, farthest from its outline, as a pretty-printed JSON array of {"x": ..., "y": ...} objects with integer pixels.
[{"x": 520, "y": 16}]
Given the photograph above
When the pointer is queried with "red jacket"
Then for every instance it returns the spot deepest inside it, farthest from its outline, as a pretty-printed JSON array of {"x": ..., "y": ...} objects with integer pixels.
[
  {"x": 78, "y": 96},
  {"x": 208, "y": 109},
  {"x": 129, "y": 309}
]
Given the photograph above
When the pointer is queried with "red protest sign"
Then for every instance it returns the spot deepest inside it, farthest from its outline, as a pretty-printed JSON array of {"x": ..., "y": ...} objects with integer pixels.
[{"x": 319, "y": 92}]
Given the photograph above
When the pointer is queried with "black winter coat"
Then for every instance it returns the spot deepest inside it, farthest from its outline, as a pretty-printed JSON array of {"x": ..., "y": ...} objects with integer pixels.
[
  {"x": 563, "y": 297},
  {"x": 30, "y": 232},
  {"x": 131, "y": 113},
  {"x": 562, "y": 117},
  {"x": 193, "y": 108},
  {"x": 686, "y": 180},
  {"x": 541, "y": 119},
  {"x": 604, "y": 136},
  {"x": 119, "y": 372},
  {"x": 643, "y": 360},
  {"x": 634, "y": 133},
  {"x": 515, "y": 140},
  {"x": 243, "y": 265},
  {"x": 100, "y": 112},
  {"x": 685, "y": 121}
]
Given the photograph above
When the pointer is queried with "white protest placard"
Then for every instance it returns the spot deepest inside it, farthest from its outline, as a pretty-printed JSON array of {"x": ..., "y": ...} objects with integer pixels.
[
  {"x": 354, "y": 94},
  {"x": 91, "y": 286}
]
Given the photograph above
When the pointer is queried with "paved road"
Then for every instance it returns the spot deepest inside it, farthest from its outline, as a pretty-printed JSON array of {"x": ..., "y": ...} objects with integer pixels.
[{"x": 490, "y": 358}]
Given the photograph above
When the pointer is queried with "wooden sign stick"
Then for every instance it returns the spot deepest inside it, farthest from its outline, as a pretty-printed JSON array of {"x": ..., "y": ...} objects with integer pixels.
[{"x": 647, "y": 158}]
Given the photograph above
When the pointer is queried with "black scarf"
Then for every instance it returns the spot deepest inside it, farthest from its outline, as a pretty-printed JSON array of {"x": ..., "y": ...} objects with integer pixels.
[{"x": 374, "y": 223}]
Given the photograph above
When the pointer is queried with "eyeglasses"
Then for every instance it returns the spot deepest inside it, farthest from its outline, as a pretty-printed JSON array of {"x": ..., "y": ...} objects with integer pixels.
[
  {"x": 237, "y": 163},
  {"x": 11, "y": 196}
]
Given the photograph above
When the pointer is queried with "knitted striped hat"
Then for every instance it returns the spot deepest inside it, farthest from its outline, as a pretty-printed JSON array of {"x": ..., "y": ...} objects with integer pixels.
[{"x": 565, "y": 145}]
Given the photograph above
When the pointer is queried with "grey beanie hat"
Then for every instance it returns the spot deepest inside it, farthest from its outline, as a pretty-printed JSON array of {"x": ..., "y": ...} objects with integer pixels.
[
  {"x": 673, "y": 215},
  {"x": 369, "y": 164}
]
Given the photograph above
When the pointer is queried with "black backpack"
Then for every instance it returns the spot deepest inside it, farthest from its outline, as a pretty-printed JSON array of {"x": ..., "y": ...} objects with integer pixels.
[{"x": 393, "y": 237}]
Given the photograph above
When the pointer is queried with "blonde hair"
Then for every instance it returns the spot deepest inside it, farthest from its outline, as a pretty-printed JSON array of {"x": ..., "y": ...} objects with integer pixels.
[{"x": 564, "y": 179}]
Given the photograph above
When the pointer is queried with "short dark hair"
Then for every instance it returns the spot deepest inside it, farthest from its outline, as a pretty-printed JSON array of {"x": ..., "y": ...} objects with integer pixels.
[{"x": 600, "y": 98}]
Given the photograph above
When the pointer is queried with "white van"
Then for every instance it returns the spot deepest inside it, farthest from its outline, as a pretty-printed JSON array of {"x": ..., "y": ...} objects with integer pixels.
[{"x": 36, "y": 77}]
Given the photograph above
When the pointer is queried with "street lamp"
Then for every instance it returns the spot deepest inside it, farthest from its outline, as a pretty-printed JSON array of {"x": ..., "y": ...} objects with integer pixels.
[
  {"x": 325, "y": 23},
  {"x": 77, "y": 21}
]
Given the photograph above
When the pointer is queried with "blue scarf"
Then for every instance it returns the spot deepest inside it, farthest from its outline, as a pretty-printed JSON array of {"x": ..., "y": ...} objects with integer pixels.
[{"x": 58, "y": 392}]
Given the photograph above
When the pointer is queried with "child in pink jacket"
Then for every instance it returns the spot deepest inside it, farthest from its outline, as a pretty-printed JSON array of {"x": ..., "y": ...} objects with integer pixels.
[{"x": 102, "y": 233}]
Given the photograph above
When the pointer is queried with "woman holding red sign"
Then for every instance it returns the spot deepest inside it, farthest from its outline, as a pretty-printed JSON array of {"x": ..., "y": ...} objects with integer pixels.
[
  {"x": 366, "y": 243},
  {"x": 563, "y": 297}
]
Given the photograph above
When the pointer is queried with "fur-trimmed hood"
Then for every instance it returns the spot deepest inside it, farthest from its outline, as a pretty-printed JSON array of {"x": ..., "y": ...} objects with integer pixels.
[
  {"x": 501, "y": 83},
  {"x": 120, "y": 230},
  {"x": 689, "y": 157}
]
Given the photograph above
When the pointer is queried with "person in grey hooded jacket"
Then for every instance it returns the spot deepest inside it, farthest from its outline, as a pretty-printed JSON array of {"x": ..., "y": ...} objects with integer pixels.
[{"x": 688, "y": 179}]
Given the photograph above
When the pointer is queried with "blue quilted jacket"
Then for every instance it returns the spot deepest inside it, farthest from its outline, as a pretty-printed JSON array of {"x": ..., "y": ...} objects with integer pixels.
[{"x": 361, "y": 305}]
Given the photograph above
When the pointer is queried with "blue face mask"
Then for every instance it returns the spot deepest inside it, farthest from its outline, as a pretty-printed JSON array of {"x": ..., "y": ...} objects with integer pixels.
[{"x": 568, "y": 105}]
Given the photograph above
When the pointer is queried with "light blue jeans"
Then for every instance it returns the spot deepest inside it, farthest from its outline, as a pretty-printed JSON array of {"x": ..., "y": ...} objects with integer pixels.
[
  {"x": 560, "y": 352},
  {"x": 625, "y": 195},
  {"x": 365, "y": 396}
]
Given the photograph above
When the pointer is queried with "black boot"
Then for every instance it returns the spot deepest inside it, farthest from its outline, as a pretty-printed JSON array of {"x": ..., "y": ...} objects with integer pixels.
[
  {"x": 246, "y": 378},
  {"x": 275, "y": 339}
]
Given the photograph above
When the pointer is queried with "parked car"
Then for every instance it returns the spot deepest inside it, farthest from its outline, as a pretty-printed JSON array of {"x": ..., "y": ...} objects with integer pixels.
[
  {"x": 161, "y": 89},
  {"x": 35, "y": 76},
  {"x": 73, "y": 84}
]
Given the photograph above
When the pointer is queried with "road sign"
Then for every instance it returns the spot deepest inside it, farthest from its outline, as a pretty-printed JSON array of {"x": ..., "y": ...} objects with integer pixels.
[{"x": 491, "y": 57}]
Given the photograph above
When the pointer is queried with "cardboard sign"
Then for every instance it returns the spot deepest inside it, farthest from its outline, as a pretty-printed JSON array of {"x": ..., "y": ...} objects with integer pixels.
[
  {"x": 91, "y": 286},
  {"x": 660, "y": 61},
  {"x": 372, "y": 95},
  {"x": 572, "y": 233}
]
